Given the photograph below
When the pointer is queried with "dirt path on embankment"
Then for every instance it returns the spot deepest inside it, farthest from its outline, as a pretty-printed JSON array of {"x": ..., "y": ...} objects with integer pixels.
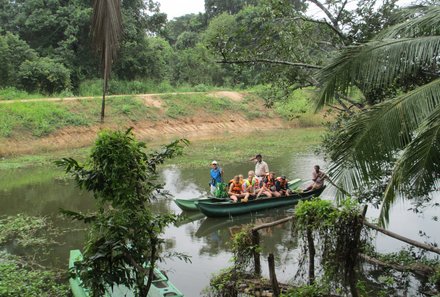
[
  {"x": 200, "y": 126},
  {"x": 230, "y": 94}
]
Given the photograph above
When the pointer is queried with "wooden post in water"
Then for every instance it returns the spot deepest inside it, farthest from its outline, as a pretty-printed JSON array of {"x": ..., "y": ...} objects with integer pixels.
[
  {"x": 255, "y": 244},
  {"x": 352, "y": 277},
  {"x": 256, "y": 240},
  {"x": 311, "y": 248},
  {"x": 273, "y": 277}
]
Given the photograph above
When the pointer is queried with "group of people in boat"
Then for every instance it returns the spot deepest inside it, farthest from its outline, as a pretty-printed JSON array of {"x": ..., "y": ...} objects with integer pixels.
[{"x": 259, "y": 182}]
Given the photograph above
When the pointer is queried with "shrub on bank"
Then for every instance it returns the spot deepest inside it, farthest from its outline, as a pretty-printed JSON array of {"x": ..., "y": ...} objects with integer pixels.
[{"x": 44, "y": 75}]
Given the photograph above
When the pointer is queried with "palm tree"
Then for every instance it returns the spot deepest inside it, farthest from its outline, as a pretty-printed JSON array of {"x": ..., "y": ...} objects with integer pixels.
[
  {"x": 403, "y": 131},
  {"x": 106, "y": 33}
]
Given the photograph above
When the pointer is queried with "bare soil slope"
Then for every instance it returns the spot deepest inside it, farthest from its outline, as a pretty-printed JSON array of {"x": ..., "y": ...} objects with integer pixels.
[{"x": 201, "y": 125}]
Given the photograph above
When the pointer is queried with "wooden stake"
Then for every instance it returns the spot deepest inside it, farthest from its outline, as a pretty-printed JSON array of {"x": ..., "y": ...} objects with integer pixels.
[
  {"x": 273, "y": 277},
  {"x": 255, "y": 243}
]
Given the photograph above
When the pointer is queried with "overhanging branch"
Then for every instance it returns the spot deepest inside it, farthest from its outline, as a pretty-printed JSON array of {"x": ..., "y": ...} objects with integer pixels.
[
  {"x": 324, "y": 22},
  {"x": 326, "y": 11}
]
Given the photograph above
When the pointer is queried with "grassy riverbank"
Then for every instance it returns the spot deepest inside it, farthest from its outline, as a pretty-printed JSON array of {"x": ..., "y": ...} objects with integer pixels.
[
  {"x": 116, "y": 87},
  {"x": 51, "y": 125},
  {"x": 227, "y": 149}
]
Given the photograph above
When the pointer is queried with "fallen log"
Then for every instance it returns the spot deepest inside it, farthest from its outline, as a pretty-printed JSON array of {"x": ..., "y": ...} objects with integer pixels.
[
  {"x": 416, "y": 268},
  {"x": 275, "y": 223},
  {"x": 421, "y": 245}
]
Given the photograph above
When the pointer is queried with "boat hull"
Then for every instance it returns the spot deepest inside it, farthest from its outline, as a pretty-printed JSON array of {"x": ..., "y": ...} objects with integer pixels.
[
  {"x": 227, "y": 209},
  {"x": 191, "y": 204},
  {"x": 160, "y": 287}
]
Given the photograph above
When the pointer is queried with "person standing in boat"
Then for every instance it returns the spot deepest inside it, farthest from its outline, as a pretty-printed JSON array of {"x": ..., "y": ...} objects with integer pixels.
[
  {"x": 216, "y": 176},
  {"x": 318, "y": 178},
  {"x": 261, "y": 168}
]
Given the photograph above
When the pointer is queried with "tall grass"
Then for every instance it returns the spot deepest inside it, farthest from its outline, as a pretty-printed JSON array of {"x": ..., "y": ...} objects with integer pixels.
[
  {"x": 40, "y": 118},
  {"x": 119, "y": 87},
  {"x": 298, "y": 104},
  {"x": 11, "y": 93},
  {"x": 182, "y": 105}
]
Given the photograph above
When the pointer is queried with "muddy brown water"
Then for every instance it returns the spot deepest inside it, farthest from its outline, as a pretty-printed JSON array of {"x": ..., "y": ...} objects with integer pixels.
[{"x": 205, "y": 240}]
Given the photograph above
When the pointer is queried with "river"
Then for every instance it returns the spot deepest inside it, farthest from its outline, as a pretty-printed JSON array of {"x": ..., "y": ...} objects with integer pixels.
[{"x": 33, "y": 191}]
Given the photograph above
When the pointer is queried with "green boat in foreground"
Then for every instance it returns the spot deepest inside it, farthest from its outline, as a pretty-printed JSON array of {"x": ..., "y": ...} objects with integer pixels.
[
  {"x": 191, "y": 204},
  {"x": 227, "y": 209},
  {"x": 160, "y": 287}
]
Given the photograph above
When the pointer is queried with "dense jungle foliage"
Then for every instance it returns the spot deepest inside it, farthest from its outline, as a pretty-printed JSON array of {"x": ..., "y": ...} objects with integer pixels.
[{"x": 45, "y": 46}]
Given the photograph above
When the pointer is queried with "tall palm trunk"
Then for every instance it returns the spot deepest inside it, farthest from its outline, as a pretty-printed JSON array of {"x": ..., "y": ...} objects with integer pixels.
[{"x": 104, "y": 87}]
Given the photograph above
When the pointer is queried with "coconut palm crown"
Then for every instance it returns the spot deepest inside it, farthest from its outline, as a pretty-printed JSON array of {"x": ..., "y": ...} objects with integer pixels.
[{"x": 403, "y": 131}]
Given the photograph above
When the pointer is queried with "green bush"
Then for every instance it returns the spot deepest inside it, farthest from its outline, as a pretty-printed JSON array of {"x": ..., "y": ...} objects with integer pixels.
[
  {"x": 13, "y": 52},
  {"x": 44, "y": 75}
]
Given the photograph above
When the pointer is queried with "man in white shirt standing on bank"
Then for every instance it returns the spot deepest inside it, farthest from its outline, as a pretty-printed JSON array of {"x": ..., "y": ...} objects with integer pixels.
[{"x": 261, "y": 167}]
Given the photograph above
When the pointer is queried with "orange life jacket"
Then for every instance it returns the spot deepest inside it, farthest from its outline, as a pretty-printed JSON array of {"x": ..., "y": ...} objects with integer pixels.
[{"x": 237, "y": 187}]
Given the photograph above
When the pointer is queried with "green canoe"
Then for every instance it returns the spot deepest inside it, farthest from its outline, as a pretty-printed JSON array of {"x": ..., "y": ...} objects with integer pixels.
[
  {"x": 227, "y": 209},
  {"x": 191, "y": 204},
  {"x": 160, "y": 287}
]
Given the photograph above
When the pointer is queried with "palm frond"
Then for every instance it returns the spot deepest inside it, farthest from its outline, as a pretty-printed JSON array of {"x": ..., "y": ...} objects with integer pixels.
[
  {"x": 377, "y": 64},
  {"x": 374, "y": 137},
  {"x": 418, "y": 167},
  {"x": 106, "y": 28},
  {"x": 414, "y": 21},
  {"x": 106, "y": 33}
]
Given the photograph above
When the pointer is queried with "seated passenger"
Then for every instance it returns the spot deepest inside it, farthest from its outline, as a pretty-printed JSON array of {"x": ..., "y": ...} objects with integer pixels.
[
  {"x": 250, "y": 185},
  {"x": 236, "y": 190},
  {"x": 268, "y": 188},
  {"x": 281, "y": 185},
  {"x": 241, "y": 178}
]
